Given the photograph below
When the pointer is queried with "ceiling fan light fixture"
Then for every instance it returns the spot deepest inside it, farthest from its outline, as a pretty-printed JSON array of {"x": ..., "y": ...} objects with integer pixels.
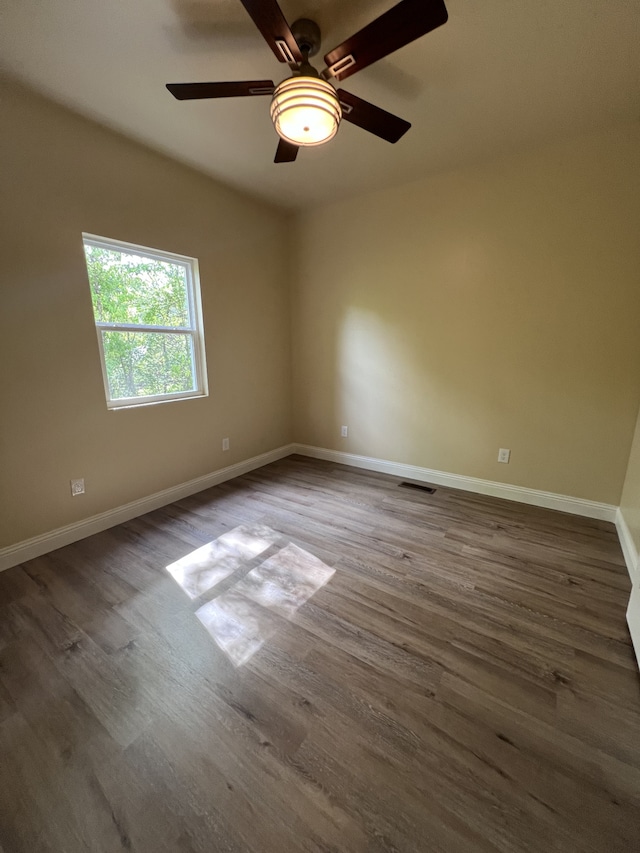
[{"x": 305, "y": 111}]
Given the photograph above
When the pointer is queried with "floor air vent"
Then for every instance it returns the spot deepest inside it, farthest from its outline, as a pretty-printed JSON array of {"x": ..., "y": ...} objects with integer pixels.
[{"x": 421, "y": 488}]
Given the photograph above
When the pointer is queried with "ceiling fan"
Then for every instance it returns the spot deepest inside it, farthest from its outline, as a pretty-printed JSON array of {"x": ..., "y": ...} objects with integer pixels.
[{"x": 306, "y": 108}]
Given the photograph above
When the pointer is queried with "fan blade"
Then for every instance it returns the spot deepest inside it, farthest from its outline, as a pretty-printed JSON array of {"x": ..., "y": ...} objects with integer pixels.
[
  {"x": 192, "y": 91},
  {"x": 402, "y": 24},
  {"x": 268, "y": 18},
  {"x": 286, "y": 153},
  {"x": 371, "y": 118}
]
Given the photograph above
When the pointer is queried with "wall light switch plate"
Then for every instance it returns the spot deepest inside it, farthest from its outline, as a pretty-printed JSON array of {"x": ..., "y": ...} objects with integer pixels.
[
  {"x": 344, "y": 431},
  {"x": 504, "y": 455},
  {"x": 225, "y": 443},
  {"x": 77, "y": 487}
]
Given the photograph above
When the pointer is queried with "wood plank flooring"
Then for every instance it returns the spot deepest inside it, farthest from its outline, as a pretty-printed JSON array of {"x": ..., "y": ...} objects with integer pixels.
[{"x": 463, "y": 682}]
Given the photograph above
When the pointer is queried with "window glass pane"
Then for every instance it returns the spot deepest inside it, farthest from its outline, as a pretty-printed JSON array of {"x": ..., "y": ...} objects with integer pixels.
[
  {"x": 142, "y": 364},
  {"x": 130, "y": 288}
]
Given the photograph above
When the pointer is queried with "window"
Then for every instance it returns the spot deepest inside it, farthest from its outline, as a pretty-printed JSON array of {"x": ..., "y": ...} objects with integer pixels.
[{"x": 146, "y": 305}]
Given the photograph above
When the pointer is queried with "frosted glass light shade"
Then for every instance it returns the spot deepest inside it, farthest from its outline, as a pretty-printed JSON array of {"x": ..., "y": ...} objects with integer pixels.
[{"x": 305, "y": 111}]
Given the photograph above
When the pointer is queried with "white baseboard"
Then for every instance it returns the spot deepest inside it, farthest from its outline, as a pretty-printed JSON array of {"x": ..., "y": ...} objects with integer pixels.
[
  {"x": 633, "y": 619},
  {"x": 13, "y": 555},
  {"x": 628, "y": 546},
  {"x": 549, "y": 500},
  {"x": 631, "y": 559}
]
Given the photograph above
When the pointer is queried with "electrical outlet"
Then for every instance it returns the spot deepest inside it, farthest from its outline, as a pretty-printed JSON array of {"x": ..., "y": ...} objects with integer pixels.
[
  {"x": 77, "y": 487},
  {"x": 504, "y": 455},
  {"x": 344, "y": 431},
  {"x": 225, "y": 443}
]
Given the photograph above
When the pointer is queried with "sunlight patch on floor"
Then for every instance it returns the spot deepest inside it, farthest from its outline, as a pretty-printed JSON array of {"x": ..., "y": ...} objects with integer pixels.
[
  {"x": 202, "y": 569},
  {"x": 241, "y": 619},
  {"x": 285, "y": 581},
  {"x": 244, "y": 617},
  {"x": 239, "y": 626}
]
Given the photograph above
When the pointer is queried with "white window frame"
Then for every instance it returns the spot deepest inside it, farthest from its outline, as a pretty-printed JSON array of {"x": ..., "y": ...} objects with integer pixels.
[{"x": 194, "y": 330}]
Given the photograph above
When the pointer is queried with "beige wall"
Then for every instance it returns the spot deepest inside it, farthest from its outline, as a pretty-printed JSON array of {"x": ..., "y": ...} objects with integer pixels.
[
  {"x": 490, "y": 307},
  {"x": 495, "y": 306},
  {"x": 59, "y": 176}
]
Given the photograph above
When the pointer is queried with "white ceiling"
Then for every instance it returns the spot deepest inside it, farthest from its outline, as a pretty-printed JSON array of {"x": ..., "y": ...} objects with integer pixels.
[{"x": 501, "y": 74}]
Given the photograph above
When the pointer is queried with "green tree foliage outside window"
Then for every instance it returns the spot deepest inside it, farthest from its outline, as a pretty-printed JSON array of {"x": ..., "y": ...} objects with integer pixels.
[{"x": 144, "y": 318}]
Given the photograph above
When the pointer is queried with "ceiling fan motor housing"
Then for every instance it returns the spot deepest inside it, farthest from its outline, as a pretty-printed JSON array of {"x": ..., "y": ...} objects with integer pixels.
[{"x": 307, "y": 35}]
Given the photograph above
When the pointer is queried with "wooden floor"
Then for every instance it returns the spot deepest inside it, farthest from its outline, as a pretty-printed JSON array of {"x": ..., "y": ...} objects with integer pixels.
[{"x": 463, "y": 682}]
